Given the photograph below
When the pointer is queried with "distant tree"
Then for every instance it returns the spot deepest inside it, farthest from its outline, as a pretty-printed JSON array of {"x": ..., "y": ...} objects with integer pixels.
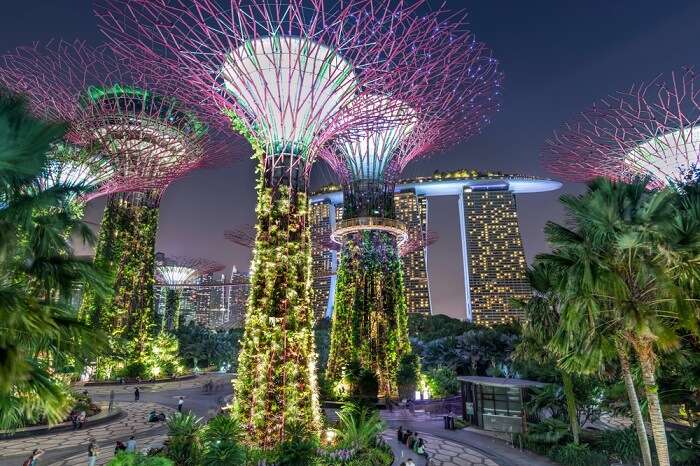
[{"x": 431, "y": 327}]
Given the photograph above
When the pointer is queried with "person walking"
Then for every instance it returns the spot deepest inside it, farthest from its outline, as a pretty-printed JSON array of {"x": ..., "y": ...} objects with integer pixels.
[
  {"x": 137, "y": 394},
  {"x": 33, "y": 458},
  {"x": 180, "y": 402},
  {"x": 111, "y": 401},
  {"x": 93, "y": 451},
  {"x": 131, "y": 445}
]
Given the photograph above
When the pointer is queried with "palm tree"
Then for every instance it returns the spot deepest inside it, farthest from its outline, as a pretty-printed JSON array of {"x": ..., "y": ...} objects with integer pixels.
[
  {"x": 358, "y": 426},
  {"x": 616, "y": 278},
  {"x": 38, "y": 273},
  {"x": 542, "y": 316}
]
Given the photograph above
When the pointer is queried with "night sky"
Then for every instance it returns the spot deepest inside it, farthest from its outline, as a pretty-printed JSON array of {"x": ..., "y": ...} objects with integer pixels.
[{"x": 558, "y": 57}]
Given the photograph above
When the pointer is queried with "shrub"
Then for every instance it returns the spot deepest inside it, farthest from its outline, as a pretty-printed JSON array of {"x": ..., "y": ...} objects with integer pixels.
[
  {"x": 685, "y": 446},
  {"x": 549, "y": 432},
  {"x": 577, "y": 455},
  {"x": 377, "y": 456},
  {"x": 133, "y": 370},
  {"x": 184, "y": 446},
  {"x": 407, "y": 375},
  {"x": 221, "y": 442},
  {"x": 137, "y": 459},
  {"x": 295, "y": 452},
  {"x": 363, "y": 383},
  {"x": 358, "y": 427},
  {"x": 621, "y": 445},
  {"x": 442, "y": 382}
]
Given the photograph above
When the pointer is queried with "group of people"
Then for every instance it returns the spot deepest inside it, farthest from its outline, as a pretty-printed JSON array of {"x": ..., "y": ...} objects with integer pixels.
[
  {"x": 155, "y": 417},
  {"x": 412, "y": 441},
  {"x": 78, "y": 419},
  {"x": 129, "y": 447}
]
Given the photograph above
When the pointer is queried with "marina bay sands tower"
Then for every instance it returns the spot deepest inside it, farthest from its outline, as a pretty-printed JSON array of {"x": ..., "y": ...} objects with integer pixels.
[{"x": 493, "y": 261}]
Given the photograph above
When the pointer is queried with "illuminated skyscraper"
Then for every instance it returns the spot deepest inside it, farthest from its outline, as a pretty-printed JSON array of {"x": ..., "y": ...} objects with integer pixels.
[
  {"x": 322, "y": 219},
  {"x": 238, "y": 290},
  {"x": 412, "y": 210},
  {"x": 493, "y": 251}
]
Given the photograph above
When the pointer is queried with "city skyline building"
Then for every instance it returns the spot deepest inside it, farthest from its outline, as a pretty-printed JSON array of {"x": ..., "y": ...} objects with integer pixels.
[
  {"x": 210, "y": 300},
  {"x": 493, "y": 260}
]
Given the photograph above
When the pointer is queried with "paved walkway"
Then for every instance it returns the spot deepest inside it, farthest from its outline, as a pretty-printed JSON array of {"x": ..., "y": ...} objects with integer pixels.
[
  {"x": 68, "y": 442},
  {"x": 440, "y": 451},
  {"x": 70, "y": 448},
  {"x": 470, "y": 446}
]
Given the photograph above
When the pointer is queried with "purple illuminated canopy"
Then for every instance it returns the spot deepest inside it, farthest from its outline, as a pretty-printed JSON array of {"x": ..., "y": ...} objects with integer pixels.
[{"x": 652, "y": 129}]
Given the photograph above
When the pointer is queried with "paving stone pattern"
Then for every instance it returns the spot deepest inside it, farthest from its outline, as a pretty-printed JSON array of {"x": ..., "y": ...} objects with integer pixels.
[
  {"x": 446, "y": 453},
  {"x": 133, "y": 423}
]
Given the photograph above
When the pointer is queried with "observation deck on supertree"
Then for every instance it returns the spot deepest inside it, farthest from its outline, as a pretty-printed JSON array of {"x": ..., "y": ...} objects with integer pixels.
[
  {"x": 244, "y": 236},
  {"x": 651, "y": 129},
  {"x": 445, "y": 94},
  {"x": 131, "y": 137},
  {"x": 286, "y": 73},
  {"x": 175, "y": 273}
]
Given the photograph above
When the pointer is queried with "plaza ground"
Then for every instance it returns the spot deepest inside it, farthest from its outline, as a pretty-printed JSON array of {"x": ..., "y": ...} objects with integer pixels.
[{"x": 446, "y": 448}]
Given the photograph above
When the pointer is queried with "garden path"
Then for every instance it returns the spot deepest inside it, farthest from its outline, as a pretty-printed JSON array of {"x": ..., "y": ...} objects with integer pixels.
[
  {"x": 69, "y": 448},
  {"x": 475, "y": 445}
]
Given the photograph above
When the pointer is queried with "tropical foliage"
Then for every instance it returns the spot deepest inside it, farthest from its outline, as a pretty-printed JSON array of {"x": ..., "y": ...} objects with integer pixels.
[
  {"x": 125, "y": 248},
  {"x": 39, "y": 334},
  {"x": 202, "y": 347},
  {"x": 623, "y": 282},
  {"x": 358, "y": 427},
  {"x": 276, "y": 388},
  {"x": 369, "y": 323},
  {"x": 137, "y": 459}
]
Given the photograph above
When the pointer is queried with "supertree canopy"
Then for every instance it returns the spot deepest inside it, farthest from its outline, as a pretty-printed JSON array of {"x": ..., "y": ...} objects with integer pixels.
[
  {"x": 458, "y": 87},
  {"x": 174, "y": 273},
  {"x": 130, "y": 138},
  {"x": 286, "y": 72},
  {"x": 652, "y": 129}
]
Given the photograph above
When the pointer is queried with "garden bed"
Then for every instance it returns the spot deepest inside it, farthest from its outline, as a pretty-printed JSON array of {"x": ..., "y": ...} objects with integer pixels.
[
  {"x": 102, "y": 417},
  {"x": 130, "y": 381}
]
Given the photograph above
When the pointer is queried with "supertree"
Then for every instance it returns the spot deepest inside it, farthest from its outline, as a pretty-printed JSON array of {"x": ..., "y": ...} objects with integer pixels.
[
  {"x": 172, "y": 275},
  {"x": 369, "y": 325},
  {"x": 651, "y": 129},
  {"x": 286, "y": 72},
  {"x": 130, "y": 138}
]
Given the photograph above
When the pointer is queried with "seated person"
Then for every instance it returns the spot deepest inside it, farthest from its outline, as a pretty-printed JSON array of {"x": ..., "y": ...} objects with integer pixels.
[
  {"x": 419, "y": 447},
  {"x": 152, "y": 416}
]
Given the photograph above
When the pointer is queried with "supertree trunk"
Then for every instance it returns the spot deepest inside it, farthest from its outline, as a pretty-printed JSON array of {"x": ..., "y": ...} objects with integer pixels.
[
  {"x": 126, "y": 246},
  {"x": 276, "y": 388},
  {"x": 370, "y": 323}
]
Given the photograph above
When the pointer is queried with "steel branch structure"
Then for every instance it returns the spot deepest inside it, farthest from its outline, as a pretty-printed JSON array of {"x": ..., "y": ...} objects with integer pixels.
[
  {"x": 416, "y": 244},
  {"x": 287, "y": 72},
  {"x": 131, "y": 137},
  {"x": 133, "y": 134},
  {"x": 174, "y": 273},
  {"x": 458, "y": 90},
  {"x": 652, "y": 129}
]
